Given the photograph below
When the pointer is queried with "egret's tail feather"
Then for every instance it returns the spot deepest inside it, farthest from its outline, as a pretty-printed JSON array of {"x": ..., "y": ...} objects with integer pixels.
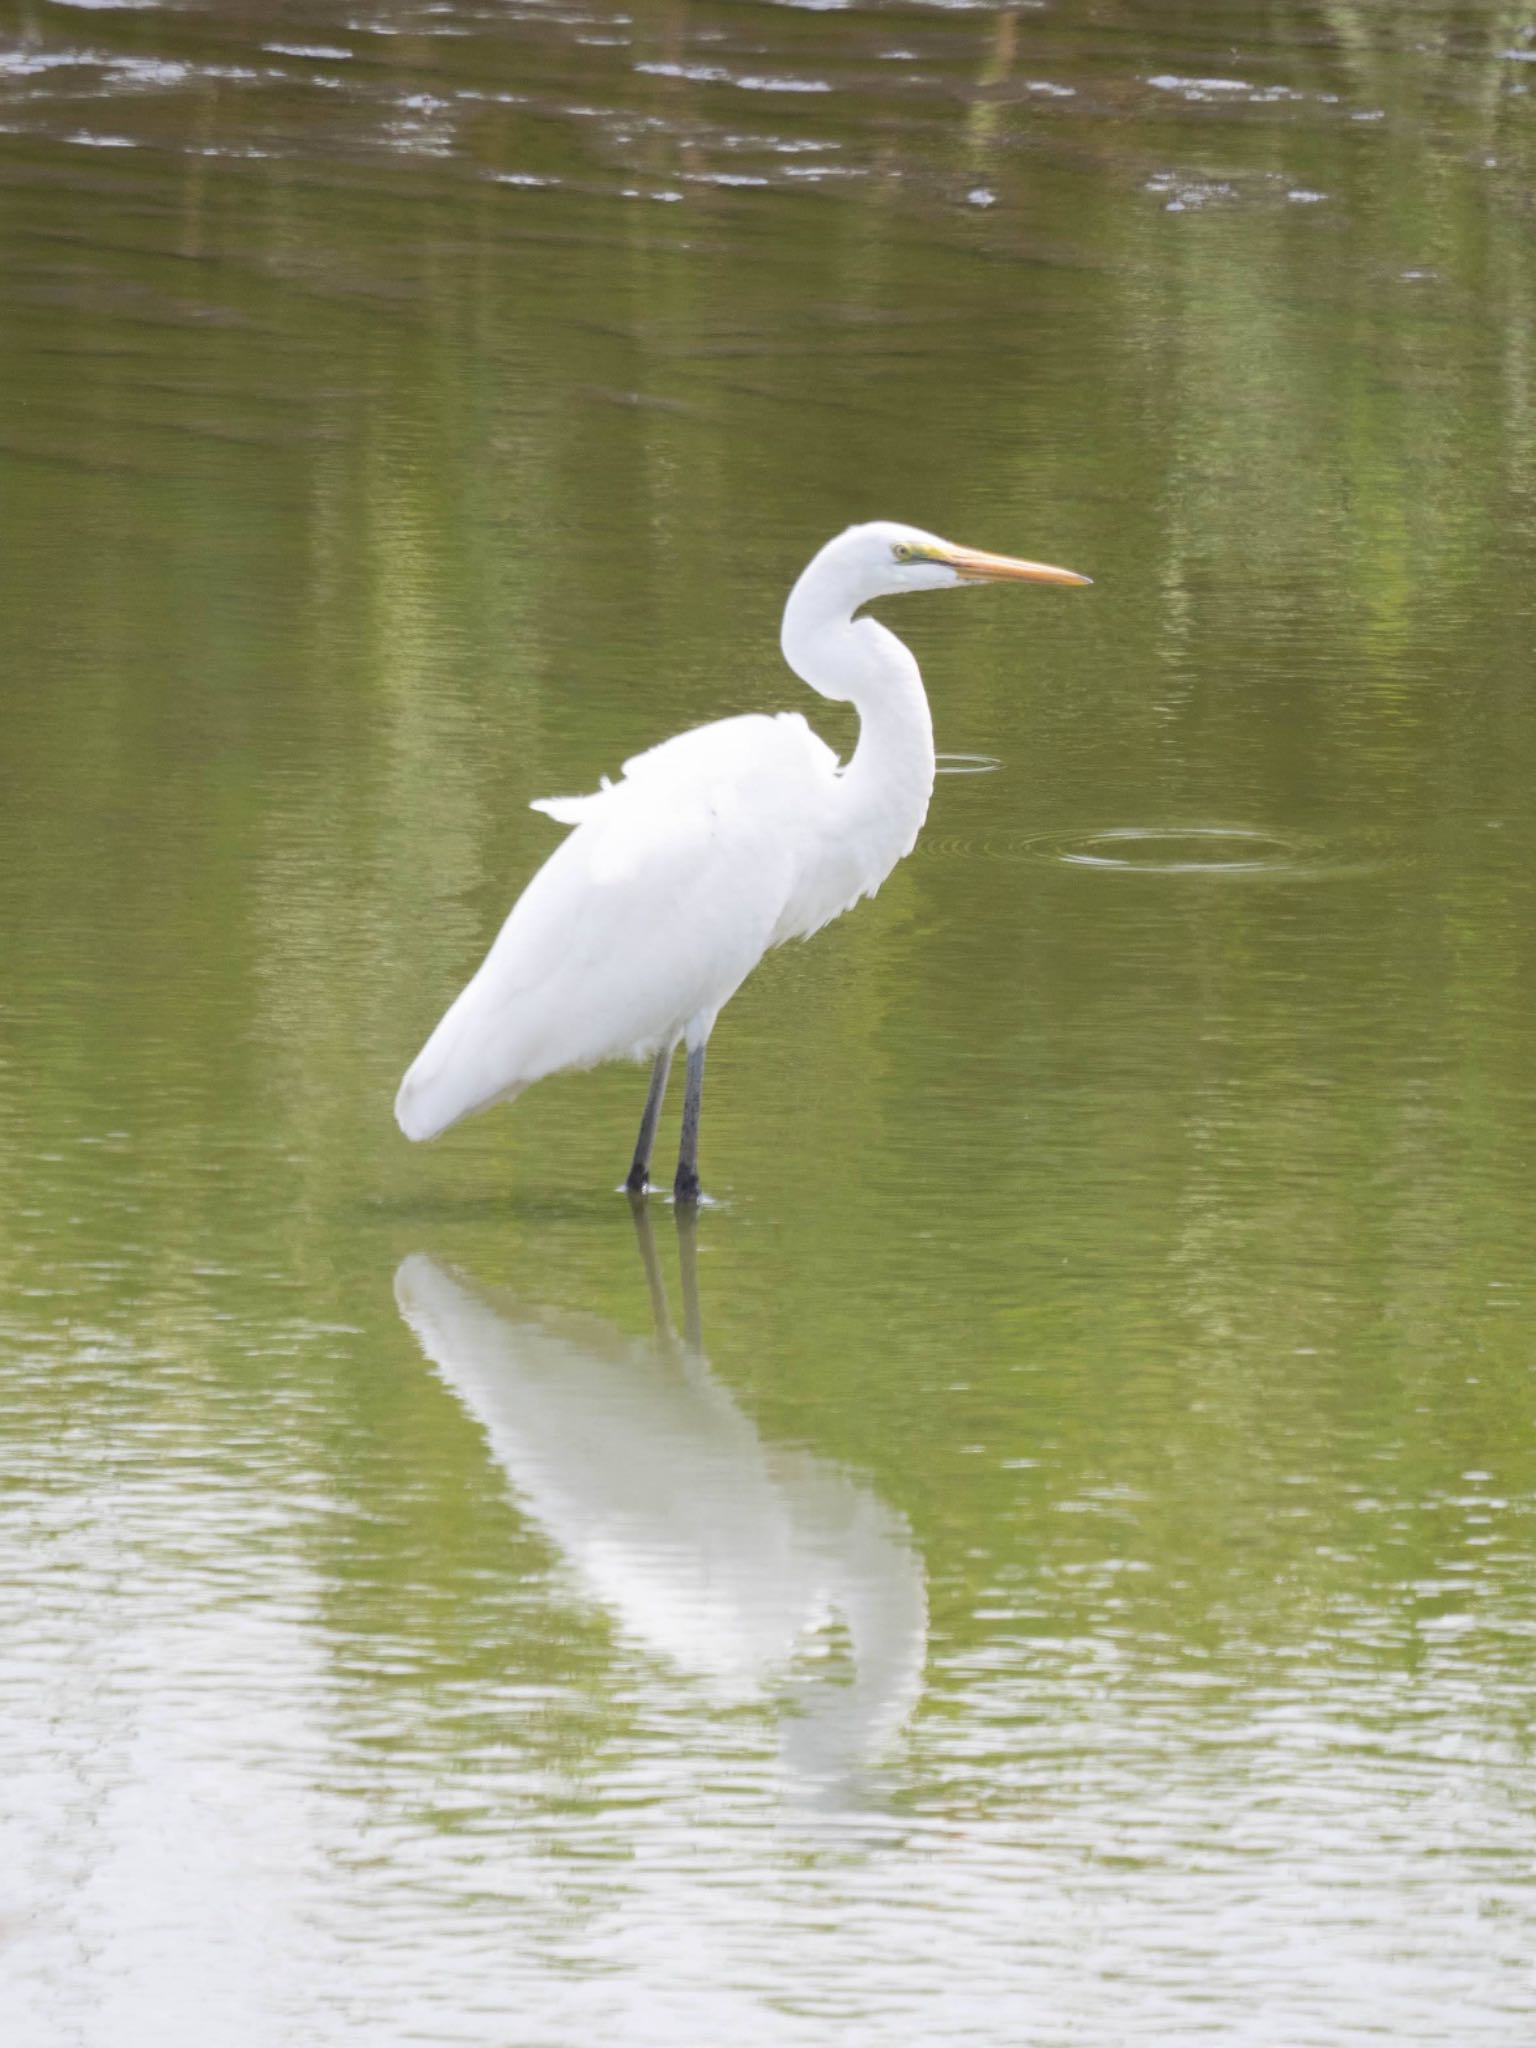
[
  {"x": 433, "y": 1097},
  {"x": 413, "y": 1112}
]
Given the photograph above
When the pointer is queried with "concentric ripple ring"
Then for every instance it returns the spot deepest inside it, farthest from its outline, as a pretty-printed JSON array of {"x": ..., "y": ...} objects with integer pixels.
[{"x": 1181, "y": 850}]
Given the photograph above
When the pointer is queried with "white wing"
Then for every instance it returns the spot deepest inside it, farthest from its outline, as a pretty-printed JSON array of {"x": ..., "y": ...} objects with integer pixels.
[{"x": 654, "y": 910}]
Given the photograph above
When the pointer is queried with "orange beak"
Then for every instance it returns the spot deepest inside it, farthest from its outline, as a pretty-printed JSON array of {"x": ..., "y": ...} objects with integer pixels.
[{"x": 976, "y": 567}]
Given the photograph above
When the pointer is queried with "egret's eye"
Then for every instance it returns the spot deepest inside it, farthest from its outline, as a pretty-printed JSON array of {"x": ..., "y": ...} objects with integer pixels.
[{"x": 903, "y": 550}]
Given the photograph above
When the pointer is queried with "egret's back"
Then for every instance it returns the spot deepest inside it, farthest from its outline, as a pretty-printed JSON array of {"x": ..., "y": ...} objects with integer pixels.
[{"x": 652, "y": 912}]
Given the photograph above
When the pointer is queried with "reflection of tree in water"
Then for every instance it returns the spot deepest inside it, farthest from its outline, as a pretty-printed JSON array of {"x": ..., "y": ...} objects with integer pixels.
[{"x": 761, "y": 1572}]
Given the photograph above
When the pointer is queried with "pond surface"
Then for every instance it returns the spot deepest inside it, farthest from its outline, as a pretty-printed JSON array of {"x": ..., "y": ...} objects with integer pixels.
[{"x": 1051, "y": 1556}]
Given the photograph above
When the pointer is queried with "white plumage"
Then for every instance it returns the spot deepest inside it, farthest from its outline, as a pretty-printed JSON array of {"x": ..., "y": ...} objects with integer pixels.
[
  {"x": 652, "y": 913},
  {"x": 712, "y": 847}
]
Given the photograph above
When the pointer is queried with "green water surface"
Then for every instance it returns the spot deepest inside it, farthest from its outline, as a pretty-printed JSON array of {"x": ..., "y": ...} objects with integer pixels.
[{"x": 1051, "y": 1557}]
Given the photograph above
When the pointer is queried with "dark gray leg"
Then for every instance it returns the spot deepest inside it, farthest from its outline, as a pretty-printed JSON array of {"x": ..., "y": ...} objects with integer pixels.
[
  {"x": 686, "y": 1187},
  {"x": 639, "y": 1172}
]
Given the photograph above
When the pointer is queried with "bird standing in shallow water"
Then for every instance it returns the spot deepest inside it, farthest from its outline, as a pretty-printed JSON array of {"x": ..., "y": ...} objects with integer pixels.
[{"x": 714, "y": 846}]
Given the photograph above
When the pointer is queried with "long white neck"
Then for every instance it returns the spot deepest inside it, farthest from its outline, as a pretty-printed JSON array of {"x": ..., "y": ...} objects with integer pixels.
[{"x": 883, "y": 792}]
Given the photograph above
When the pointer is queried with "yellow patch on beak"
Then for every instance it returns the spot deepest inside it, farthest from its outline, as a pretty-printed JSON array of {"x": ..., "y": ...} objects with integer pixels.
[{"x": 976, "y": 567}]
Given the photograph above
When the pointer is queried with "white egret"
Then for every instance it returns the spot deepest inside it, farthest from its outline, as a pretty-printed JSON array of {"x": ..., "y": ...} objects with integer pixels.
[{"x": 715, "y": 846}]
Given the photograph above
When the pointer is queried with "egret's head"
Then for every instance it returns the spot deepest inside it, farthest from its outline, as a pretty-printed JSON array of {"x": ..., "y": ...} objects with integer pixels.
[{"x": 883, "y": 559}]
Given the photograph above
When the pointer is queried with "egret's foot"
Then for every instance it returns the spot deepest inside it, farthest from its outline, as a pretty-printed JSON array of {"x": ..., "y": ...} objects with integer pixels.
[
  {"x": 638, "y": 1182},
  {"x": 686, "y": 1187}
]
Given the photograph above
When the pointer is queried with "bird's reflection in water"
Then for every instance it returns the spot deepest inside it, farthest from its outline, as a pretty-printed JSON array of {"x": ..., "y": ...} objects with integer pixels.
[{"x": 764, "y": 1573}]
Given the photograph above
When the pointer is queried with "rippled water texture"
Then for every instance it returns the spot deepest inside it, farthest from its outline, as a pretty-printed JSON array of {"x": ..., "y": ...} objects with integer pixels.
[{"x": 1047, "y": 1557}]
